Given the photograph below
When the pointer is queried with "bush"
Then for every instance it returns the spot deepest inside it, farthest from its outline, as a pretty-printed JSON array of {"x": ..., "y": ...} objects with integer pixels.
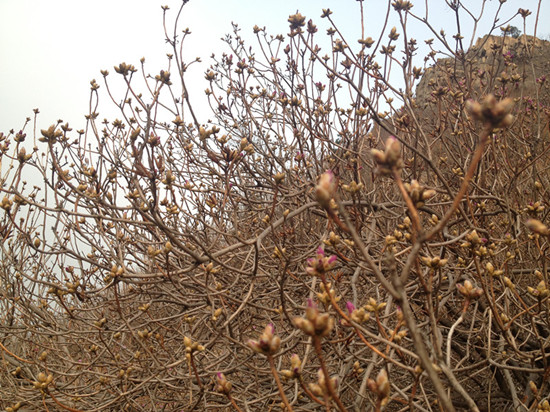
[{"x": 326, "y": 240}]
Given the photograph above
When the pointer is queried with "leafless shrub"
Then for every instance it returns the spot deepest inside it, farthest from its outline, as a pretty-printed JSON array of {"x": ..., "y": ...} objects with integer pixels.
[{"x": 326, "y": 240}]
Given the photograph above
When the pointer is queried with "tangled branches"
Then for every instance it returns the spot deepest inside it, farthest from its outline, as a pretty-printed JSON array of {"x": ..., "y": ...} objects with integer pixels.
[{"x": 314, "y": 245}]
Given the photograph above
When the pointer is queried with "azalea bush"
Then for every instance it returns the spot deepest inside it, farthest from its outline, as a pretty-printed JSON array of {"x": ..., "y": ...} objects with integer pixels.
[{"x": 351, "y": 226}]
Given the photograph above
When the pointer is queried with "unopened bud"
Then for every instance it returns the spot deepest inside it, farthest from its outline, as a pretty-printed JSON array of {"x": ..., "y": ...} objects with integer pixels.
[
  {"x": 326, "y": 188},
  {"x": 537, "y": 226}
]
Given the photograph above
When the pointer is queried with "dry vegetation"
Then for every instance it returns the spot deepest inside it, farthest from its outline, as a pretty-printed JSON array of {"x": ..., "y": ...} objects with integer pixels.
[{"x": 287, "y": 254}]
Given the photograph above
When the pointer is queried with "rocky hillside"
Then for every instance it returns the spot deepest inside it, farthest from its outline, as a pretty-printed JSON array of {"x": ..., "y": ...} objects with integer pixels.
[
  {"x": 495, "y": 64},
  {"x": 437, "y": 128}
]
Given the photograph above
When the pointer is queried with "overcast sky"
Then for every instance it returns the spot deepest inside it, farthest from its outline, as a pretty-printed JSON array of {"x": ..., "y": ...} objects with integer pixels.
[{"x": 50, "y": 50}]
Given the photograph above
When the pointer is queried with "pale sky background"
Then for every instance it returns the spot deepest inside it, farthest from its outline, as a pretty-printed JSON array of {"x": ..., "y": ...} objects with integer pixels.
[{"x": 51, "y": 49}]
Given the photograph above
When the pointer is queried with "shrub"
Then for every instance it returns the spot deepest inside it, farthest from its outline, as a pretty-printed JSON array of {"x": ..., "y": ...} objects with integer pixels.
[{"x": 325, "y": 240}]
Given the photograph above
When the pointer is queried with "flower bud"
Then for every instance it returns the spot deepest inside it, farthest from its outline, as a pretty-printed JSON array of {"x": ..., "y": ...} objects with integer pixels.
[
  {"x": 474, "y": 108},
  {"x": 295, "y": 368},
  {"x": 469, "y": 291},
  {"x": 537, "y": 226},
  {"x": 378, "y": 156},
  {"x": 305, "y": 326},
  {"x": 497, "y": 114},
  {"x": 320, "y": 264},
  {"x": 383, "y": 383},
  {"x": 268, "y": 344},
  {"x": 223, "y": 385},
  {"x": 6, "y": 203},
  {"x": 324, "y": 324},
  {"x": 393, "y": 151},
  {"x": 326, "y": 189}
]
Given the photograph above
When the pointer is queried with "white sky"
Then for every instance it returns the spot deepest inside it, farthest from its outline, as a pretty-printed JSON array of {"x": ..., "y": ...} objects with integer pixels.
[{"x": 50, "y": 50}]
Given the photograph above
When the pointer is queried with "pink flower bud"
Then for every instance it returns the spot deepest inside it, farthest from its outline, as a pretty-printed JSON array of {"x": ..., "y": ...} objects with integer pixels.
[{"x": 320, "y": 264}]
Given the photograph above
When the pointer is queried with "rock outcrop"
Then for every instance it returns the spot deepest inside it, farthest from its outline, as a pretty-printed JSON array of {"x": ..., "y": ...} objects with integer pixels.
[{"x": 499, "y": 65}]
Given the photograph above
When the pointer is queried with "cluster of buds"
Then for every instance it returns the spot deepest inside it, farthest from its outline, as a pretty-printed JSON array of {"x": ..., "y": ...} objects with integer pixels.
[
  {"x": 135, "y": 134},
  {"x": 209, "y": 268},
  {"x": 326, "y": 189},
  {"x": 164, "y": 77},
  {"x": 50, "y": 135},
  {"x": 222, "y": 384},
  {"x": 533, "y": 209},
  {"x": 168, "y": 247},
  {"x": 315, "y": 323},
  {"x": 320, "y": 388},
  {"x": 320, "y": 264},
  {"x": 492, "y": 271},
  {"x": 405, "y": 226},
  {"x": 380, "y": 387},
  {"x": 357, "y": 369},
  {"x": 6, "y": 203},
  {"x": 14, "y": 407},
  {"x": 268, "y": 344},
  {"x": 353, "y": 187},
  {"x": 508, "y": 283},
  {"x": 169, "y": 179},
  {"x": 217, "y": 313},
  {"x": 360, "y": 315},
  {"x": 125, "y": 69},
  {"x": 333, "y": 239},
  {"x": 390, "y": 159},
  {"x": 247, "y": 147},
  {"x": 124, "y": 373},
  {"x": 296, "y": 21},
  {"x": 541, "y": 291},
  {"x": 19, "y": 137},
  {"x": 191, "y": 347},
  {"x": 400, "y": 5},
  {"x": 100, "y": 323},
  {"x": 154, "y": 140},
  {"x": 206, "y": 133},
  {"x": 374, "y": 306},
  {"x": 279, "y": 253},
  {"x": 418, "y": 194},
  {"x": 55, "y": 290},
  {"x": 473, "y": 240},
  {"x": 144, "y": 307},
  {"x": 279, "y": 178},
  {"x": 295, "y": 368},
  {"x": 434, "y": 263},
  {"x": 153, "y": 251},
  {"x": 43, "y": 381},
  {"x": 327, "y": 294},
  {"x": 22, "y": 156},
  {"x": 544, "y": 406},
  {"x": 368, "y": 42},
  {"x": 469, "y": 291},
  {"x": 398, "y": 337},
  {"x": 393, "y": 34},
  {"x": 496, "y": 114},
  {"x": 116, "y": 271}
]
